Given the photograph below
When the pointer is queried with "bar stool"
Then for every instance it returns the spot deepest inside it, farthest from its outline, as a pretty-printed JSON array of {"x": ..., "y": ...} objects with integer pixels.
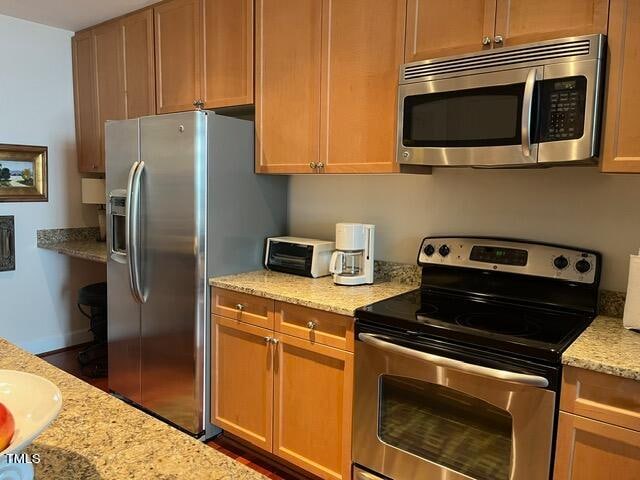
[{"x": 92, "y": 303}]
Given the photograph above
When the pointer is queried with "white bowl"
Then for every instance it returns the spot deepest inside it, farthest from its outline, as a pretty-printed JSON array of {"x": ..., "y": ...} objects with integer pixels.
[{"x": 34, "y": 403}]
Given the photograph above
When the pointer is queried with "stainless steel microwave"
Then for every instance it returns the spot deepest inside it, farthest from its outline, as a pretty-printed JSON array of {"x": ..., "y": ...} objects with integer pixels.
[{"x": 528, "y": 105}]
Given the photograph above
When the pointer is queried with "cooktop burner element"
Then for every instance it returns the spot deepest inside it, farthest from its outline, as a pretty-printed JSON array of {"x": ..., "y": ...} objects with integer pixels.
[
  {"x": 507, "y": 296},
  {"x": 515, "y": 325}
]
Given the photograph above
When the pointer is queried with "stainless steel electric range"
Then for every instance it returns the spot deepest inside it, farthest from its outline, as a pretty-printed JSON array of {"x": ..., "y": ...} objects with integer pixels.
[{"x": 460, "y": 378}]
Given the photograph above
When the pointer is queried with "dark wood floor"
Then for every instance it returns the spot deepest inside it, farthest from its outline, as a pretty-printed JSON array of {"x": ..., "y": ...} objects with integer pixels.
[{"x": 67, "y": 360}]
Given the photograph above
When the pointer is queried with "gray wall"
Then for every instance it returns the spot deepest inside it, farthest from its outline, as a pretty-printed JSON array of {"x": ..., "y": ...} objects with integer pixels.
[{"x": 568, "y": 205}]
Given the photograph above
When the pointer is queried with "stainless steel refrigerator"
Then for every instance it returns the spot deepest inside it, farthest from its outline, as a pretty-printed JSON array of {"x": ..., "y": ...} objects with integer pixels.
[{"x": 184, "y": 204}]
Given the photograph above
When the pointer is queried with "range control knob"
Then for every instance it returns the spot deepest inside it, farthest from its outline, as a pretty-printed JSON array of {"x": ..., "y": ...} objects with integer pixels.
[
  {"x": 444, "y": 250},
  {"x": 429, "y": 250},
  {"x": 560, "y": 262},
  {"x": 583, "y": 266}
]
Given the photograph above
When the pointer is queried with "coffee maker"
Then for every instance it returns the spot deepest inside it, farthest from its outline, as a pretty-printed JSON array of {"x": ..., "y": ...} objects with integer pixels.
[{"x": 352, "y": 261}]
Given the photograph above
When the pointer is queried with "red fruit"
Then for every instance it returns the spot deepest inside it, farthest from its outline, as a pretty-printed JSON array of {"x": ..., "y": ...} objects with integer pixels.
[{"x": 7, "y": 427}]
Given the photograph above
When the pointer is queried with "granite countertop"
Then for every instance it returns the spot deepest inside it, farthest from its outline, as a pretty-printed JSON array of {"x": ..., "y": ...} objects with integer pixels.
[
  {"x": 86, "y": 249},
  {"x": 318, "y": 293},
  {"x": 75, "y": 242},
  {"x": 607, "y": 347},
  {"x": 97, "y": 436}
]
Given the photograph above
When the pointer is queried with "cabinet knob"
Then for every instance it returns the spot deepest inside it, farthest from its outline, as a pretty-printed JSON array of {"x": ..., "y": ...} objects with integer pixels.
[
  {"x": 312, "y": 325},
  {"x": 486, "y": 40},
  {"x": 198, "y": 104},
  {"x": 239, "y": 307},
  {"x": 274, "y": 341},
  {"x": 498, "y": 39},
  {"x": 320, "y": 165},
  {"x": 267, "y": 339},
  {"x": 312, "y": 165}
]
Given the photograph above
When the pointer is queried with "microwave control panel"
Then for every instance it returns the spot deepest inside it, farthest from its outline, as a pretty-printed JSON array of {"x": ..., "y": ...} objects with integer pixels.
[{"x": 563, "y": 108}]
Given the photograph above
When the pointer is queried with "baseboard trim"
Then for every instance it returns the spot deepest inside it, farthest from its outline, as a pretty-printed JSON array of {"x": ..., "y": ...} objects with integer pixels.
[{"x": 44, "y": 345}]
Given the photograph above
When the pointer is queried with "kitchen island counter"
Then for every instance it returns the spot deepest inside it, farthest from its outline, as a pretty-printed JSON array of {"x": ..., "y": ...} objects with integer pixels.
[
  {"x": 97, "y": 436},
  {"x": 606, "y": 347}
]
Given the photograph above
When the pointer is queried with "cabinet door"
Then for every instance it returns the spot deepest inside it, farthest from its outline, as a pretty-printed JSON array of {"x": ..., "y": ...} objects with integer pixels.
[
  {"x": 178, "y": 55},
  {"x": 288, "y": 66},
  {"x": 139, "y": 69},
  {"x": 434, "y": 29},
  {"x": 242, "y": 386},
  {"x": 621, "y": 133},
  {"x": 312, "y": 417},
  {"x": 86, "y": 104},
  {"x": 359, "y": 114},
  {"x": 228, "y": 53},
  {"x": 591, "y": 450},
  {"x": 110, "y": 78},
  {"x": 525, "y": 21}
]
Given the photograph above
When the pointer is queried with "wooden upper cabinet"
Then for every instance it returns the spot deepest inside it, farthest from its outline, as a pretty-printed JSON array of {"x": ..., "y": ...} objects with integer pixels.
[
  {"x": 364, "y": 45},
  {"x": 242, "y": 386},
  {"x": 438, "y": 29},
  {"x": 228, "y": 53},
  {"x": 312, "y": 407},
  {"x": 288, "y": 76},
  {"x": 592, "y": 450},
  {"x": 139, "y": 69},
  {"x": 110, "y": 78},
  {"x": 178, "y": 53},
  {"x": 526, "y": 21},
  {"x": 86, "y": 107},
  {"x": 620, "y": 151}
]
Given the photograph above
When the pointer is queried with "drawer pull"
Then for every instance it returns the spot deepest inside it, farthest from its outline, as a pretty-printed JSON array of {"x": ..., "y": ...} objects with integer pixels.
[
  {"x": 312, "y": 325},
  {"x": 239, "y": 307}
]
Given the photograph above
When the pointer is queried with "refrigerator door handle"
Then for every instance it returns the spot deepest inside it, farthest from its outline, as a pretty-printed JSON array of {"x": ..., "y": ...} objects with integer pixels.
[{"x": 132, "y": 237}]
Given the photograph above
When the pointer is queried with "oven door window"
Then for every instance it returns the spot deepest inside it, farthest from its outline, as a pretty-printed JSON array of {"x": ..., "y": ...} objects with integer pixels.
[
  {"x": 446, "y": 427},
  {"x": 476, "y": 117}
]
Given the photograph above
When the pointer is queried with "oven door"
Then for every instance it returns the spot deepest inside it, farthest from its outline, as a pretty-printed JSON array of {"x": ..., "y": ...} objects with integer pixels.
[
  {"x": 483, "y": 120},
  {"x": 421, "y": 415}
]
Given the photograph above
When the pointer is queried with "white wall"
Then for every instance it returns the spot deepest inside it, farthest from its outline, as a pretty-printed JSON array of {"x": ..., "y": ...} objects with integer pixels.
[
  {"x": 569, "y": 205},
  {"x": 37, "y": 300}
]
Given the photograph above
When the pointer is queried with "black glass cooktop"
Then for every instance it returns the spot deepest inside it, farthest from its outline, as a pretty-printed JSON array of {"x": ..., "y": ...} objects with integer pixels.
[{"x": 505, "y": 327}]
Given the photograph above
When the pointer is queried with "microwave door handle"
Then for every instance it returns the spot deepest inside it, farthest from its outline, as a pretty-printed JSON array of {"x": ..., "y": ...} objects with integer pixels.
[
  {"x": 527, "y": 110},
  {"x": 506, "y": 376}
]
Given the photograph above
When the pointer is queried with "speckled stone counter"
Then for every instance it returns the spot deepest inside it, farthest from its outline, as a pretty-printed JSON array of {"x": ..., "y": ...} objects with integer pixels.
[
  {"x": 319, "y": 293},
  {"x": 75, "y": 242},
  {"x": 607, "y": 347},
  {"x": 98, "y": 436}
]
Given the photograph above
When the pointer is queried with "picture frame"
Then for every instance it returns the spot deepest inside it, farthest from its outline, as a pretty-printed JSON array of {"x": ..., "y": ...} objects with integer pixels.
[{"x": 23, "y": 173}]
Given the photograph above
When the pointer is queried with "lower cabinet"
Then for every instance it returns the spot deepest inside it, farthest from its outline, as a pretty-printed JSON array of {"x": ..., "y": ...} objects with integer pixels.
[
  {"x": 288, "y": 394},
  {"x": 598, "y": 427},
  {"x": 243, "y": 381},
  {"x": 312, "y": 407},
  {"x": 593, "y": 450}
]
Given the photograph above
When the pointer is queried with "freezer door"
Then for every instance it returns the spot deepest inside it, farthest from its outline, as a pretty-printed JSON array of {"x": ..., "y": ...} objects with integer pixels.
[
  {"x": 122, "y": 151},
  {"x": 172, "y": 229}
]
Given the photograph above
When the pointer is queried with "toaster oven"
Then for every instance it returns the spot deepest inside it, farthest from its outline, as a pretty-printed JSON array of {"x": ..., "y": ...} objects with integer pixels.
[{"x": 299, "y": 256}]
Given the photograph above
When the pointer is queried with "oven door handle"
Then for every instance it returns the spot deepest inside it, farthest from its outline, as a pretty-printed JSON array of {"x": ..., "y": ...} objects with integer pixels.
[{"x": 506, "y": 376}]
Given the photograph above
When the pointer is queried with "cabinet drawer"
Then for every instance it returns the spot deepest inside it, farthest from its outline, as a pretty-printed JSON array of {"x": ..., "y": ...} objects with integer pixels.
[
  {"x": 603, "y": 397},
  {"x": 325, "y": 328},
  {"x": 244, "y": 307}
]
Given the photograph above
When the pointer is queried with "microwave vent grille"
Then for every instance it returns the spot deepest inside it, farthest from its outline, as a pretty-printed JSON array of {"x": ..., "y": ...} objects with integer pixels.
[{"x": 497, "y": 58}]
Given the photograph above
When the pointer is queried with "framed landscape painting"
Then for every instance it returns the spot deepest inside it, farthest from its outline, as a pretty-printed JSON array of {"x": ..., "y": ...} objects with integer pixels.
[{"x": 23, "y": 173}]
